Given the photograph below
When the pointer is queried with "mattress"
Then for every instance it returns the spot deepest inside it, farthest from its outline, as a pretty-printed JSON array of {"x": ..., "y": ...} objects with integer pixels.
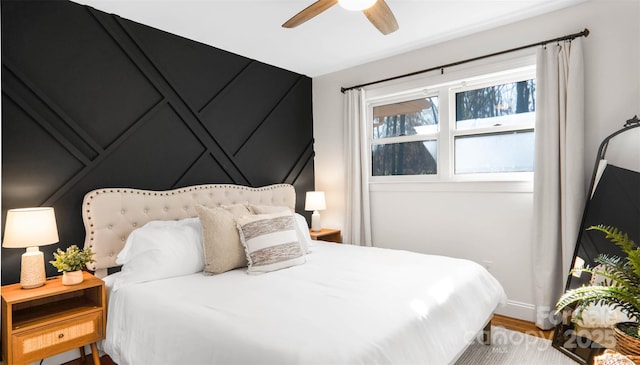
[{"x": 345, "y": 305}]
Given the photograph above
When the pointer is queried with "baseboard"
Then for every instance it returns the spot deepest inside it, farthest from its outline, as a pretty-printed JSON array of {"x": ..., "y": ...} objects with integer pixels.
[{"x": 518, "y": 310}]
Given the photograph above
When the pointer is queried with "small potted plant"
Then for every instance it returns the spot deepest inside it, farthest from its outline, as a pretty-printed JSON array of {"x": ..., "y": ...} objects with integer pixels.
[
  {"x": 620, "y": 289},
  {"x": 71, "y": 262}
]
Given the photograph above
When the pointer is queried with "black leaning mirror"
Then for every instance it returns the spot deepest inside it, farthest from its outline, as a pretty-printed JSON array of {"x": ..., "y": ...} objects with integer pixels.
[{"x": 614, "y": 201}]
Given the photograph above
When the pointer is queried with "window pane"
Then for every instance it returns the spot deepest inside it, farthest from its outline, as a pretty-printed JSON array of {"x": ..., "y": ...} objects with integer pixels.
[
  {"x": 505, "y": 104},
  {"x": 409, "y": 158},
  {"x": 407, "y": 118},
  {"x": 500, "y": 152}
]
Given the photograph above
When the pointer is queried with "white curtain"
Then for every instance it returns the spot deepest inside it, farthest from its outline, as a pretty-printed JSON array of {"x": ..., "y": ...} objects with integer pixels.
[
  {"x": 559, "y": 180},
  {"x": 357, "y": 229}
]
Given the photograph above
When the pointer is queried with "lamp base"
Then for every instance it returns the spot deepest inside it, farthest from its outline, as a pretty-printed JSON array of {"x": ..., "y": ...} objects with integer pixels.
[
  {"x": 32, "y": 269},
  {"x": 315, "y": 221}
]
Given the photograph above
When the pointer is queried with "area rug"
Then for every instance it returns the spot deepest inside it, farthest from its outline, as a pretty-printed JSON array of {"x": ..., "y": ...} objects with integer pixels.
[{"x": 513, "y": 348}]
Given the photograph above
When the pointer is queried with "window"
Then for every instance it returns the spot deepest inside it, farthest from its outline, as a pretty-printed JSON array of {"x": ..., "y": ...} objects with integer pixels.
[
  {"x": 481, "y": 128},
  {"x": 405, "y": 138},
  {"x": 494, "y": 128}
]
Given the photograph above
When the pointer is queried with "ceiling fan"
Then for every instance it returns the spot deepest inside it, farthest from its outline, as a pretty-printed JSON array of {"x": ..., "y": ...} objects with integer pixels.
[{"x": 377, "y": 11}]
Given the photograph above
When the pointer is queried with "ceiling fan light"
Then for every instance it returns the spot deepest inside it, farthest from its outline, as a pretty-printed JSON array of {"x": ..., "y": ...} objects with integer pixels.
[{"x": 356, "y": 4}]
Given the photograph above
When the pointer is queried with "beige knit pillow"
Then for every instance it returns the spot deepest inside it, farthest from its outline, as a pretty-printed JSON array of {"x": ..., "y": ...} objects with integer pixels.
[{"x": 223, "y": 250}]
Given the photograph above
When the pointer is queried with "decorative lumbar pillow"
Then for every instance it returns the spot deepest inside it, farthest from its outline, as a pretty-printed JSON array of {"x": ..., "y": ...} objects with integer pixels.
[
  {"x": 302, "y": 228},
  {"x": 270, "y": 241},
  {"x": 221, "y": 242}
]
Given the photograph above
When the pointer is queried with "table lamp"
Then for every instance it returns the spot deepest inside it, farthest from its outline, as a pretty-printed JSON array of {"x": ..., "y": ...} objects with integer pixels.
[
  {"x": 30, "y": 228},
  {"x": 315, "y": 201}
]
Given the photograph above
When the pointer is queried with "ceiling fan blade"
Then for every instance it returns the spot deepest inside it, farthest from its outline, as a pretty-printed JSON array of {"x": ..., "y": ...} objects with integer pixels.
[
  {"x": 309, "y": 12},
  {"x": 381, "y": 16}
]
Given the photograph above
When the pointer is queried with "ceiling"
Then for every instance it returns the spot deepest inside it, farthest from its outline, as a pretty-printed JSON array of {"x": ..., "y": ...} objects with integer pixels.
[{"x": 334, "y": 40}]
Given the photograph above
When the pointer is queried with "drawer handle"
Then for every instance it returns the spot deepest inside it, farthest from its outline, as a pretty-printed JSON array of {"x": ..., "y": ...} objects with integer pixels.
[{"x": 61, "y": 335}]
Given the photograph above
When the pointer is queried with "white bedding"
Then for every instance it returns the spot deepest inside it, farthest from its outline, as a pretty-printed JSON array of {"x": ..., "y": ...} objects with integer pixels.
[{"x": 345, "y": 305}]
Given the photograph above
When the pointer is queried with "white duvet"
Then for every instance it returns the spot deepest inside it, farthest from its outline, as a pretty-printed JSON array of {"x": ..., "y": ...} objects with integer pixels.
[{"x": 345, "y": 305}]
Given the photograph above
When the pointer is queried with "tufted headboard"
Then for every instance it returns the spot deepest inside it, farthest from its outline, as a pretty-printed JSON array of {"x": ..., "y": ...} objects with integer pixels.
[{"x": 110, "y": 214}]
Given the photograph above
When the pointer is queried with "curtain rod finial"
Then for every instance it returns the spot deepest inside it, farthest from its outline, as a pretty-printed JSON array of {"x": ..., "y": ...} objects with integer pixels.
[
  {"x": 632, "y": 121},
  {"x": 586, "y": 32}
]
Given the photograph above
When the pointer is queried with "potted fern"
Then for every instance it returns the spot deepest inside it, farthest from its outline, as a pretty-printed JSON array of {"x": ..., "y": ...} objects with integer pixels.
[
  {"x": 620, "y": 289},
  {"x": 71, "y": 262}
]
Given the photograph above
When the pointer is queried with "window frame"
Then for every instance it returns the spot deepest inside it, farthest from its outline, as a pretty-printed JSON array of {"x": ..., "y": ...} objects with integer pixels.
[
  {"x": 469, "y": 78},
  {"x": 401, "y": 139}
]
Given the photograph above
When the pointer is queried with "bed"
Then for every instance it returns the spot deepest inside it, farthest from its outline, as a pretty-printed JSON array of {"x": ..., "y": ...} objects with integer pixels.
[{"x": 329, "y": 304}]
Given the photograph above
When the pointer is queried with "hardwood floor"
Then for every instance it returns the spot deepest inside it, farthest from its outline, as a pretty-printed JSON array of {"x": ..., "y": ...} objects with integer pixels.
[
  {"x": 498, "y": 320},
  {"x": 521, "y": 326},
  {"x": 104, "y": 360}
]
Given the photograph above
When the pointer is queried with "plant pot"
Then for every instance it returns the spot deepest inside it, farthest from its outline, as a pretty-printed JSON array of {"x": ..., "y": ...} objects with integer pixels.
[
  {"x": 72, "y": 277},
  {"x": 626, "y": 344}
]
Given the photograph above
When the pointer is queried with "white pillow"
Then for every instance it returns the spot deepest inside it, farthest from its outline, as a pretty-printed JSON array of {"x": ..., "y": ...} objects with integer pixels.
[
  {"x": 161, "y": 249},
  {"x": 303, "y": 233},
  {"x": 270, "y": 241},
  {"x": 268, "y": 209}
]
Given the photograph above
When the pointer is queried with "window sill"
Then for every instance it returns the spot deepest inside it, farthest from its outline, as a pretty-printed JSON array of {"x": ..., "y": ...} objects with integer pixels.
[{"x": 453, "y": 186}]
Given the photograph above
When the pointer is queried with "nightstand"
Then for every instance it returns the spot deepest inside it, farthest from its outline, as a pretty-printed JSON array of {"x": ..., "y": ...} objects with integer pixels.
[
  {"x": 54, "y": 318},
  {"x": 326, "y": 234}
]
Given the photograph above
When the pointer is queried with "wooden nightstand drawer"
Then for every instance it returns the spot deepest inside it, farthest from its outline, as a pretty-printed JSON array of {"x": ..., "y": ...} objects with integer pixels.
[{"x": 63, "y": 336}]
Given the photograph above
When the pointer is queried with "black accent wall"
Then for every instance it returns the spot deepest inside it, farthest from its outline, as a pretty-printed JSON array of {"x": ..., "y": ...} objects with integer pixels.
[{"x": 93, "y": 100}]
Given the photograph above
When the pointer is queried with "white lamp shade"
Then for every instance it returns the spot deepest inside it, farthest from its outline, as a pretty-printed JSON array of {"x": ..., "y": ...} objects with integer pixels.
[
  {"x": 356, "y": 4},
  {"x": 30, "y": 227},
  {"x": 315, "y": 201}
]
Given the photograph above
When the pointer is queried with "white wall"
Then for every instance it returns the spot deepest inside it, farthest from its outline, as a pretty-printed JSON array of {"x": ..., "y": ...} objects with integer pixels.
[{"x": 474, "y": 221}]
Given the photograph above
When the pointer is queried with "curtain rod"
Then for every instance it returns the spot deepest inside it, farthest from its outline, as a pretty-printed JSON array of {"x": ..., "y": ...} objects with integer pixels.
[{"x": 569, "y": 37}]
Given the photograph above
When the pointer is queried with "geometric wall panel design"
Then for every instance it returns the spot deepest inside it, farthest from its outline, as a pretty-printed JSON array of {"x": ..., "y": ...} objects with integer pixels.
[
  {"x": 264, "y": 145},
  {"x": 227, "y": 114},
  {"x": 92, "y": 100},
  {"x": 35, "y": 161},
  {"x": 77, "y": 65},
  {"x": 177, "y": 58}
]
